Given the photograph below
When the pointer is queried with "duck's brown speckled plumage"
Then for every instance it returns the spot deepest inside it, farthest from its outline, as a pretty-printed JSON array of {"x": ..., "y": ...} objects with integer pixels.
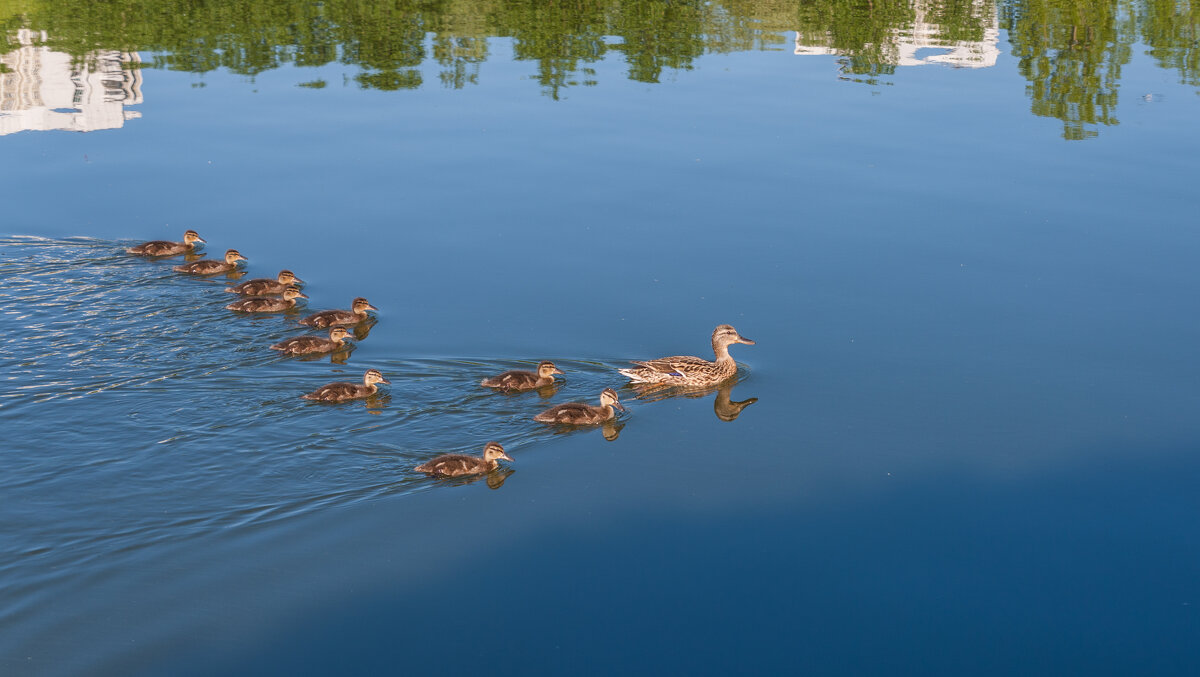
[
  {"x": 516, "y": 380},
  {"x": 306, "y": 345},
  {"x": 455, "y": 465},
  {"x": 212, "y": 266},
  {"x": 340, "y": 392},
  {"x": 267, "y": 304},
  {"x": 166, "y": 247},
  {"x": 578, "y": 413},
  {"x": 332, "y": 318},
  {"x": 686, "y": 370},
  {"x": 265, "y": 286}
]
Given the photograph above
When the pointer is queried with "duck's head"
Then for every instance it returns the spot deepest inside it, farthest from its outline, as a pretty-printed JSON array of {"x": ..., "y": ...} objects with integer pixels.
[
  {"x": 725, "y": 335},
  {"x": 293, "y": 292},
  {"x": 191, "y": 236},
  {"x": 232, "y": 256},
  {"x": 492, "y": 451},
  {"x": 373, "y": 376},
  {"x": 608, "y": 398},
  {"x": 547, "y": 369},
  {"x": 338, "y": 333},
  {"x": 288, "y": 277},
  {"x": 361, "y": 305}
]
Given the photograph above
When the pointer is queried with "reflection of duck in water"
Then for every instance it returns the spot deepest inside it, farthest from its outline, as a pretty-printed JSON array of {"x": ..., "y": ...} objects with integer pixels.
[
  {"x": 340, "y": 392},
  {"x": 455, "y": 465},
  {"x": 166, "y": 247},
  {"x": 725, "y": 408},
  {"x": 512, "y": 381},
  {"x": 268, "y": 304},
  {"x": 330, "y": 318},
  {"x": 211, "y": 266},
  {"x": 265, "y": 286},
  {"x": 306, "y": 345},
  {"x": 685, "y": 370},
  {"x": 578, "y": 413}
]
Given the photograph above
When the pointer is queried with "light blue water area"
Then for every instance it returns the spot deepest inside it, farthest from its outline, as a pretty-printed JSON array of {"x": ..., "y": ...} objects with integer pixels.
[{"x": 970, "y": 447}]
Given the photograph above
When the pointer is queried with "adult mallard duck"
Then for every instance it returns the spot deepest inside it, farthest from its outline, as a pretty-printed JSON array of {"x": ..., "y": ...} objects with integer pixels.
[
  {"x": 685, "y": 370},
  {"x": 265, "y": 286},
  {"x": 340, "y": 392},
  {"x": 454, "y": 465},
  {"x": 328, "y": 318},
  {"x": 515, "y": 380},
  {"x": 166, "y": 247},
  {"x": 307, "y": 345},
  {"x": 578, "y": 413},
  {"x": 211, "y": 266},
  {"x": 268, "y": 304}
]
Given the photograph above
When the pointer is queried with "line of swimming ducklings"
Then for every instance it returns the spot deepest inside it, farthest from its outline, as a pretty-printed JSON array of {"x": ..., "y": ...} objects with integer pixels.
[{"x": 265, "y": 295}]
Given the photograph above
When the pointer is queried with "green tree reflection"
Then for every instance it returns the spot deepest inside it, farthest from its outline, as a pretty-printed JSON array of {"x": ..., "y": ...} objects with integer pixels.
[{"x": 1071, "y": 52}]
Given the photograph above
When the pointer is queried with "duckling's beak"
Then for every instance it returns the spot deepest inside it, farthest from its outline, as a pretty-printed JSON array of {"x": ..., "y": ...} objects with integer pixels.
[
  {"x": 301, "y": 295},
  {"x": 384, "y": 380},
  {"x": 371, "y": 307},
  {"x": 556, "y": 370},
  {"x": 296, "y": 280},
  {"x": 618, "y": 405},
  {"x": 200, "y": 239},
  {"x": 743, "y": 339},
  {"x": 505, "y": 456}
]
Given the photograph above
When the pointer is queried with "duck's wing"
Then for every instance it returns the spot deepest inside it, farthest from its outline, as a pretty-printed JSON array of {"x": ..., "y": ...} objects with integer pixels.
[
  {"x": 512, "y": 380},
  {"x": 257, "y": 305},
  {"x": 570, "y": 412},
  {"x": 259, "y": 287},
  {"x": 333, "y": 392},
  {"x": 329, "y": 318},
  {"x": 451, "y": 465},
  {"x": 157, "y": 248}
]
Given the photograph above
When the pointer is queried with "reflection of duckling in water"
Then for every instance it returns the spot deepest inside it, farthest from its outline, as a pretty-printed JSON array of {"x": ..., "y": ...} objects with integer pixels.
[
  {"x": 725, "y": 408},
  {"x": 166, "y": 247},
  {"x": 578, "y": 413},
  {"x": 267, "y": 304},
  {"x": 340, "y": 392},
  {"x": 455, "y": 465},
  {"x": 306, "y": 345},
  {"x": 265, "y": 286},
  {"x": 515, "y": 380},
  {"x": 330, "y": 318},
  {"x": 685, "y": 370},
  {"x": 211, "y": 266}
]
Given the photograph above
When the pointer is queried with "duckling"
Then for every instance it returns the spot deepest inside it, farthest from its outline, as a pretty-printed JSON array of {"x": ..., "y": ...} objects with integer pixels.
[
  {"x": 692, "y": 371},
  {"x": 166, "y": 247},
  {"x": 511, "y": 381},
  {"x": 578, "y": 413},
  {"x": 210, "y": 266},
  {"x": 265, "y": 286},
  {"x": 453, "y": 465},
  {"x": 269, "y": 304},
  {"x": 340, "y": 392},
  {"x": 329, "y": 318},
  {"x": 306, "y": 345}
]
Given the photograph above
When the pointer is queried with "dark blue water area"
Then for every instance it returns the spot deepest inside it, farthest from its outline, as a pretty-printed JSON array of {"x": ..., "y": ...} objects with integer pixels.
[{"x": 971, "y": 447}]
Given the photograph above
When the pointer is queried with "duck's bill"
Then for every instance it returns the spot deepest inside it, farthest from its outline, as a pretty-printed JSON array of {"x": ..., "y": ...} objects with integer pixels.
[
  {"x": 200, "y": 239},
  {"x": 618, "y": 405},
  {"x": 557, "y": 371},
  {"x": 386, "y": 381},
  {"x": 371, "y": 307},
  {"x": 743, "y": 339},
  {"x": 506, "y": 457}
]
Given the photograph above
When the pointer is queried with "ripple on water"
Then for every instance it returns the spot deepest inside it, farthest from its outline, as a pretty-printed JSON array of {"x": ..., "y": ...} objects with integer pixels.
[{"x": 148, "y": 413}]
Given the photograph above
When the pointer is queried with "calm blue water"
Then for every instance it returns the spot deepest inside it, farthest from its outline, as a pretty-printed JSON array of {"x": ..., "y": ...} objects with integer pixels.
[{"x": 973, "y": 449}]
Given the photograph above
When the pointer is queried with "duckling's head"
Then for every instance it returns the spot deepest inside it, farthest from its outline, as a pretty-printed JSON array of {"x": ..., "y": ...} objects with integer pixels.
[
  {"x": 373, "y": 376},
  {"x": 192, "y": 236},
  {"x": 608, "y": 398},
  {"x": 233, "y": 256},
  {"x": 288, "y": 277},
  {"x": 492, "y": 451},
  {"x": 293, "y": 292},
  {"x": 547, "y": 369},
  {"x": 725, "y": 335},
  {"x": 361, "y": 305},
  {"x": 338, "y": 333}
]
